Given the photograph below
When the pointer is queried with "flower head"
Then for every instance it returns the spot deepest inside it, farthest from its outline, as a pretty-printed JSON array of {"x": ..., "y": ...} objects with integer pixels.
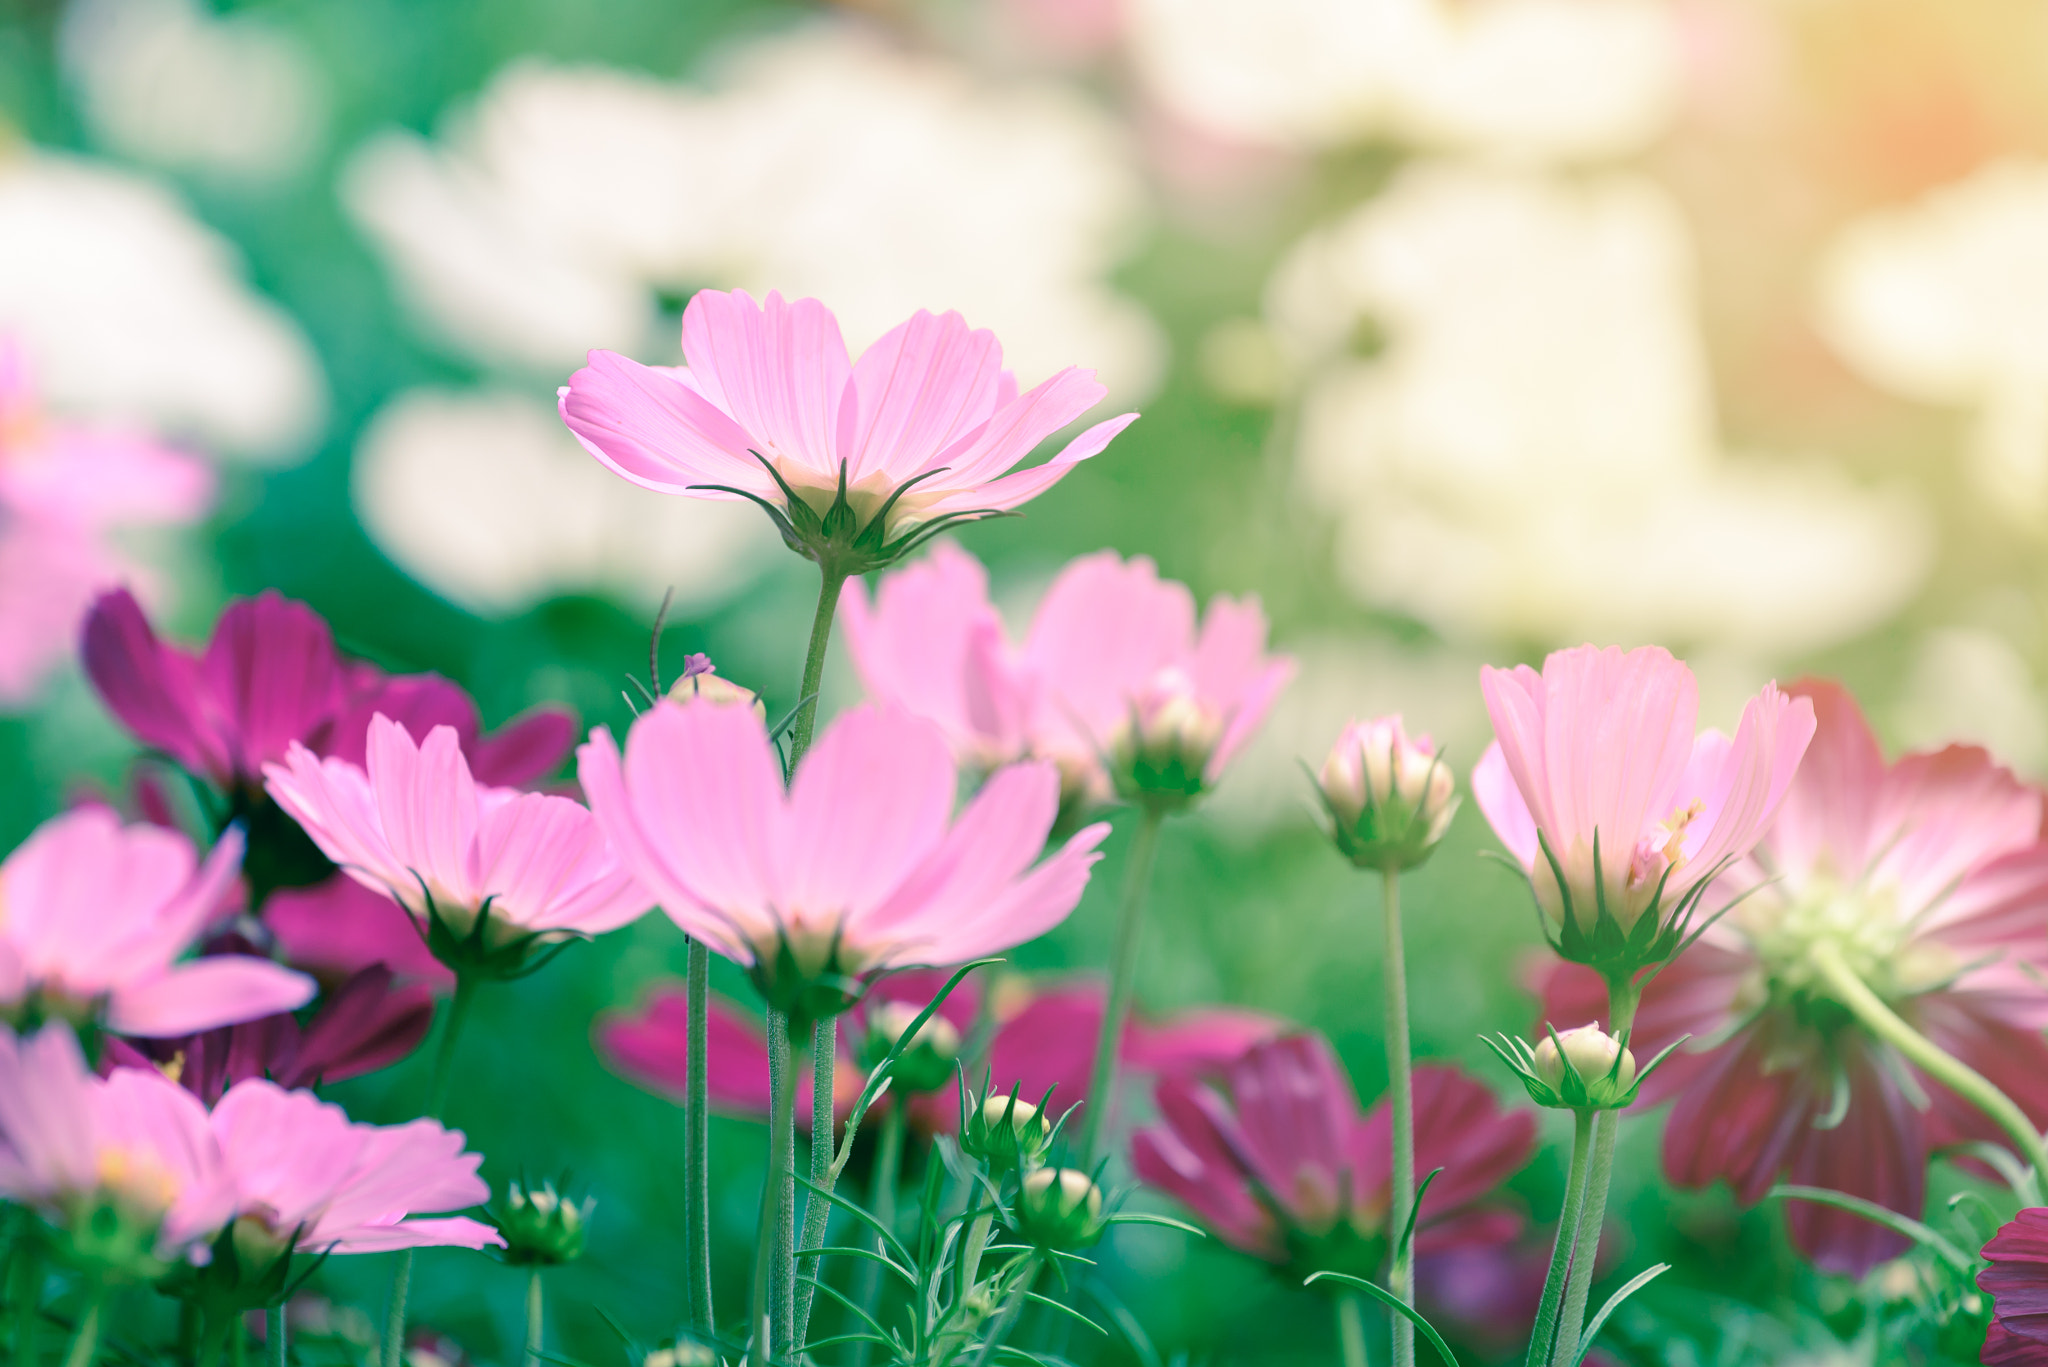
[
  {"x": 1928, "y": 879},
  {"x": 1580, "y": 1069},
  {"x": 1114, "y": 682},
  {"x": 541, "y": 1226},
  {"x": 1278, "y": 1161},
  {"x": 857, "y": 461},
  {"x": 858, "y": 866},
  {"x": 1390, "y": 798},
  {"x": 492, "y": 874},
  {"x": 1621, "y": 815},
  {"x": 95, "y": 917}
]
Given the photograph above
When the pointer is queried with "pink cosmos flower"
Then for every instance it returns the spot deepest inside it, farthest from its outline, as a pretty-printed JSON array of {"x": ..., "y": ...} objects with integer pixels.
[
  {"x": 1111, "y": 643},
  {"x": 1929, "y": 877},
  {"x": 915, "y": 435},
  {"x": 2017, "y": 1282},
  {"x": 64, "y": 489},
  {"x": 97, "y": 915},
  {"x": 1597, "y": 756},
  {"x": 71, "y": 1144},
  {"x": 858, "y": 866},
  {"x": 271, "y": 676},
  {"x": 1279, "y": 1162},
  {"x": 490, "y": 872}
]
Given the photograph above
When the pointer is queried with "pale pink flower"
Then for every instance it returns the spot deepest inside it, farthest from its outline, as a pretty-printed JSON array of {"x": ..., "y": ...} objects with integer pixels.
[
  {"x": 72, "y": 1144},
  {"x": 94, "y": 916},
  {"x": 64, "y": 489},
  {"x": 1113, "y": 657},
  {"x": 1596, "y": 761},
  {"x": 859, "y": 866},
  {"x": 922, "y": 431},
  {"x": 489, "y": 872}
]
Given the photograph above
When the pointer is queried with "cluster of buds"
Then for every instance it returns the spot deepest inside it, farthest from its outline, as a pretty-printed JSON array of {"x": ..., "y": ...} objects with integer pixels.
[
  {"x": 543, "y": 1228},
  {"x": 1584, "y": 1069},
  {"x": 1390, "y": 797},
  {"x": 928, "y": 1058},
  {"x": 1056, "y": 1208}
]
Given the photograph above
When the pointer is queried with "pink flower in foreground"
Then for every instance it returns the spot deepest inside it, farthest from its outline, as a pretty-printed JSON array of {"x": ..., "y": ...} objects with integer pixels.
[
  {"x": 2017, "y": 1282},
  {"x": 1929, "y": 878},
  {"x": 97, "y": 915},
  {"x": 491, "y": 873},
  {"x": 858, "y": 866},
  {"x": 1620, "y": 813},
  {"x": 63, "y": 489},
  {"x": 1279, "y": 1162},
  {"x": 855, "y": 460},
  {"x": 1113, "y": 663}
]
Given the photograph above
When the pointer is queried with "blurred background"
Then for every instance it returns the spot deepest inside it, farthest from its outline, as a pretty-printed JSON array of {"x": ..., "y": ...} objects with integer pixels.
[{"x": 1462, "y": 329}]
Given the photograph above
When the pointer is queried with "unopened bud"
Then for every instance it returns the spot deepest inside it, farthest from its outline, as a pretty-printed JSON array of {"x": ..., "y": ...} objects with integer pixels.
[
  {"x": 1160, "y": 755},
  {"x": 1059, "y": 1209},
  {"x": 926, "y": 1063},
  {"x": 1006, "y": 1132},
  {"x": 1390, "y": 798},
  {"x": 700, "y": 680},
  {"x": 1585, "y": 1068},
  {"x": 542, "y": 1227}
]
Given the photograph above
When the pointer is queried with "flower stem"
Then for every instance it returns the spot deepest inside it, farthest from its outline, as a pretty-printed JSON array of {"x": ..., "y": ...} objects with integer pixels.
[
  {"x": 768, "y": 1319},
  {"x": 437, "y": 1101},
  {"x": 817, "y": 1209},
  {"x": 882, "y": 1205},
  {"x": 1351, "y": 1329},
  {"x": 1012, "y": 1308},
  {"x": 85, "y": 1344},
  {"x": 1622, "y": 997},
  {"x": 536, "y": 1308},
  {"x": 1543, "y": 1341},
  {"x": 1852, "y": 992},
  {"x": 1123, "y": 968},
  {"x": 832, "y": 581},
  {"x": 1401, "y": 1098},
  {"x": 697, "y": 1143},
  {"x": 274, "y": 1336},
  {"x": 27, "y": 1291}
]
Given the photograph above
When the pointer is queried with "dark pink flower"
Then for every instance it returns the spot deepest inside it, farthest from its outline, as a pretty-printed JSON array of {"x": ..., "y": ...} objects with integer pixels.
[
  {"x": 336, "y": 928},
  {"x": 1278, "y": 1161},
  {"x": 1929, "y": 877},
  {"x": 2017, "y": 1282}
]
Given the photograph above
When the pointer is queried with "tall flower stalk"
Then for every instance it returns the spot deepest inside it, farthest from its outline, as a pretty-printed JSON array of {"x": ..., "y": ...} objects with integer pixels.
[{"x": 1123, "y": 972}]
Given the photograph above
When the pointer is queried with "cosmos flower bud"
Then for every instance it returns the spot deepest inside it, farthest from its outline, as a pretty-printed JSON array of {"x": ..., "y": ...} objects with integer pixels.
[
  {"x": 1390, "y": 798},
  {"x": 1160, "y": 755},
  {"x": 700, "y": 679},
  {"x": 1581, "y": 1069},
  {"x": 926, "y": 1063},
  {"x": 1059, "y": 1209},
  {"x": 1004, "y": 1131},
  {"x": 541, "y": 1226}
]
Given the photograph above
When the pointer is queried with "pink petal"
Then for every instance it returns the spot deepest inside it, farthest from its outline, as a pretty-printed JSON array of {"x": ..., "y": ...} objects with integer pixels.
[
  {"x": 273, "y": 676},
  {"x": 340, "y": 926},
  {"x": 1755, "y": 776},
  {"x": 651, "y": 1049},
  {"x": 524, "y": 750},
  {"x": 205, "y": 993},
  {"x": 778, "y": 367},
  {"x": 447, "y": 1232},
  {"x": 1021, "y": 486},
  {"x": 1943, "y": 815},
  {"x": 1494, "y": 788},
  {"x": 921, "y": 386},
  {"x": 1878, "y": 1152},
  {"x": 152, "y": 689},
  {"x": 1025, "y": 910},
  {"x": 427, "y": 807},
  {"x": 996, "y": 838},
  {"x": 649, "y": 427},
  {"x": 1014, "y": 431},
  {"x": 1830, "y": 810},
  {"x": 1104, "y": 627}
]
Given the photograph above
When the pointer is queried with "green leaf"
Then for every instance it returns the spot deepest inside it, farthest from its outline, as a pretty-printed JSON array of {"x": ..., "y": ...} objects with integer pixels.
[
  {"x": 1393, "y": 1303},
  {"x": 1890, "y": 1219},
  {"x": 1414, "y": 1209},
  {"x": 1140, "y": 1217},
  {"x": 1599, "y": 1321}
]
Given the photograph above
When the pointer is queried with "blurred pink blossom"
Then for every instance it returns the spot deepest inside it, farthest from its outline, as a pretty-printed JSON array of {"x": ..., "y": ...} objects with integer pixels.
[
  {"x": 858, "y": 866},
  {"x": 335, "y": 928},
  {"x": 98, "y": 915},
  {"x": 2017, "y": 1282}
]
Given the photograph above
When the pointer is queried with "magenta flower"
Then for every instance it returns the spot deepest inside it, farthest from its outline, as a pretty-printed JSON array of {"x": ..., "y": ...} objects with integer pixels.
[
  {"x": 97, "y": 917},
  {"x": 1113, "y": 662},
  {"x": 650, "y": 1048},
  {"x": 337, "y": 928},
  {"x": 1598, "y": 785},
  {"x": 64, "y": 489},
  {"x": 1928, "y": 876},
  {"x": 857, "y": 867},
  {"x": 2017, "y": 1282},
  {"x": 1279, "y": 1162},
  {"x": 857, "y": 461},
  {"x": 492, "y": 874}
]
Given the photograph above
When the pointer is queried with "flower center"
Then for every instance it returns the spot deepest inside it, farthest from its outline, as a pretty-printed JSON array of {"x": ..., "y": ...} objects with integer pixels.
[
  {"x": 1864, "y": 924},
  {"x": 136, "y": 1182},
  {"x": 1663, "y": 849}
]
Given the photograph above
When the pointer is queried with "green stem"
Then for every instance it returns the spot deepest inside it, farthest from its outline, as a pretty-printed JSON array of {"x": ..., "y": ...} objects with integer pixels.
[
  {"x": 238, "y": 1342},
  {"x": 1351, "y": 1329},
  {"x": 28, "y": 1295},
  {"x": 85, "y": 1345},
  {"x": 1123, "y": 968},
  {"x": 697, "y": 1143},
  {"x": 437, "y": 1101},
  {"x": 1401, "y": 1098},
  {"x": 767, "y": 1322},
  {"x": 274, "y": 1336},
  {"x": 882, "y": 1205},
  {"x": 1543, "y": 1342},
  {"x": 817, "y": 1209},
  {"x": 1622, "y": 997},
  {"x": 1852, "y": 992},
  {"x": 535, "y": 1308},
  {"x": 831, "y": 582},
  {"x": 971, "y": 1251}
]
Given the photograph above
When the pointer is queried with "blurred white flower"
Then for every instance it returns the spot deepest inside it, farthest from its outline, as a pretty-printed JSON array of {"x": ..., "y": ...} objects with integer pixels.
[
  {"x": 1528, "y": 79},
  {"x": 165, "y": 82},
  {"x": 1970, "y": 685},
  {"x": 1534, "y": 453},
  {"x": 487, "y": 499},
  {"x": 1946, "y": 301},
  {"x": 135, "y": 311},
  {"x": 555, "y": 213}
]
